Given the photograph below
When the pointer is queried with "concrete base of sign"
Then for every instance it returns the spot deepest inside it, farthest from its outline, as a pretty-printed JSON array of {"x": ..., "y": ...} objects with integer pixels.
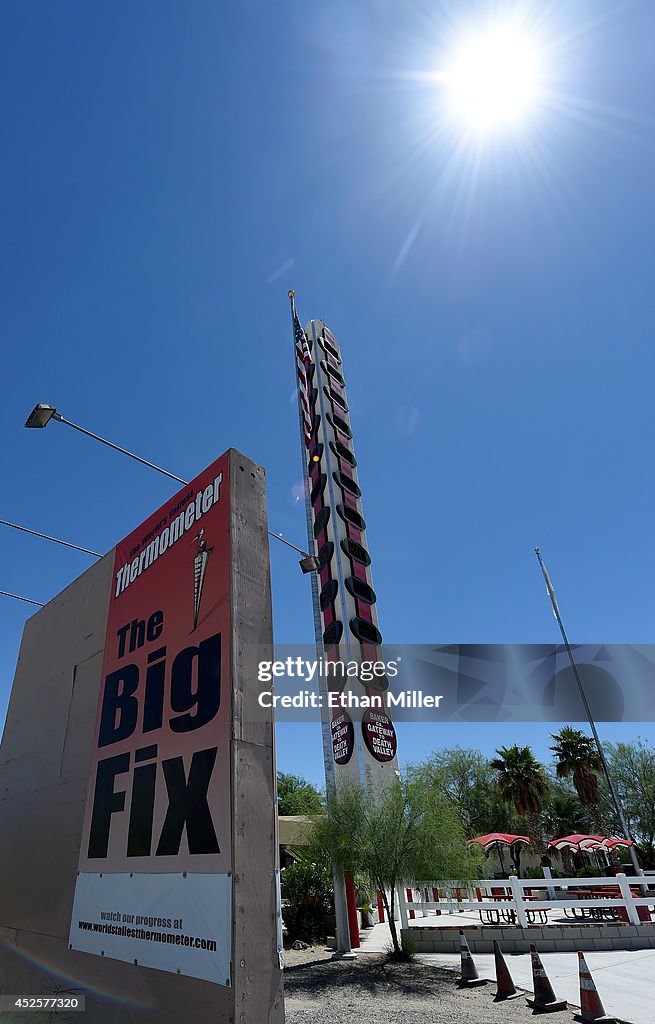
[{"x": 44, "y": 769}]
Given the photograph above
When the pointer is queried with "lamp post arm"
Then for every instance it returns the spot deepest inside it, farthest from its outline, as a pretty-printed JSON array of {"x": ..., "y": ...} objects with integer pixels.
[
  {"x": 144, "y": 462},
  {"x": 289, "y": 544},
  {"x": 17, "y": 597},
  {"x": 116, "y": 447}
]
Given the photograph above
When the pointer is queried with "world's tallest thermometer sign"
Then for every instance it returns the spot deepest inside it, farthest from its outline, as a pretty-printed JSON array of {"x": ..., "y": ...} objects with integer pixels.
[
  {"x": 363, "y": 746},
  {"x": 154, "y": 884}
]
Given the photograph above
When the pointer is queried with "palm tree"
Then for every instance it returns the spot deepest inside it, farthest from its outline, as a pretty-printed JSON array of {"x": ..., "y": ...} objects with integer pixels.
[
  {"x": 564, "y": 812},
  {"x": 577, "y": 758},
  {"x": 523, "y": 782}
]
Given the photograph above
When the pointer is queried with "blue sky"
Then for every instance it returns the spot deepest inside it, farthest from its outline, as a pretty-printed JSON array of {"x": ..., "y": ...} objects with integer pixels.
[{"x": 171, "y": 170}]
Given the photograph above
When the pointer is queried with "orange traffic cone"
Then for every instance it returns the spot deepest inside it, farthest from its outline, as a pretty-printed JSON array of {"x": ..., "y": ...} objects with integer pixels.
[
  {"x": 469, "y": 976},
  {"x": 506, "y": 987},
  {"x": 591, "y": 1008},
  {"x": 544, "y": 998}
]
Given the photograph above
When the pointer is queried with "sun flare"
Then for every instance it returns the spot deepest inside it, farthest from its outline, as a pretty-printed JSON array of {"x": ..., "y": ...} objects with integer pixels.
[{"x": 495, "y": 78}]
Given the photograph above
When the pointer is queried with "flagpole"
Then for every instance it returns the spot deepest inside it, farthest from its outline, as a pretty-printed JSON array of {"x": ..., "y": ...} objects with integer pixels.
[
  {"x": 574, "y": 668},
  {"x": 340, "y": 898}
]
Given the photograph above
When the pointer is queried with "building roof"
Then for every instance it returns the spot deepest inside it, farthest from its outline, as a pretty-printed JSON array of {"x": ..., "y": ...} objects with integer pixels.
[{"x": 294, "y": 829}]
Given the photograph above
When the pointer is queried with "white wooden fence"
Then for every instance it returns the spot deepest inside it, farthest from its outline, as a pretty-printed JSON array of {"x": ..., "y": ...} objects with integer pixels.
[{"x": 510, "y": 896}]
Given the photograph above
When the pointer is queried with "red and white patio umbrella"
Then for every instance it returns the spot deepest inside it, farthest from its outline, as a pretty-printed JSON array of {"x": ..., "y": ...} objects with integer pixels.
[
  {"x": 615, "y": 842},
  {"x": 498, "y": 839},
  {"x": 578, "y": 842}
]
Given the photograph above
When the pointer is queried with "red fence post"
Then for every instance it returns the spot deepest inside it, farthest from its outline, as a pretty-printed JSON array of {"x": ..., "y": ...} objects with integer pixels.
[
  {"x": 435, "y": 895},
  {"x": 380, "y": 908},
  {"x": 353, "y": 923},
  {"x": 410, "y": 899}
]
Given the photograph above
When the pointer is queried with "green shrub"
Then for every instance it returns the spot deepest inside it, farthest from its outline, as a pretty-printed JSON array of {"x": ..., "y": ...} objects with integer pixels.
[
  {"x": 407, "y": 951},
  {"x": 307, "y": 887},
  {"x": 539, "y": 873},
  {"x": 590, "y": 872}
]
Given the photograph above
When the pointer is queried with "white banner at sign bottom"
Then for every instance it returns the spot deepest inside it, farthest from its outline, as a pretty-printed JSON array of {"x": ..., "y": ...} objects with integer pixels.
[{"x": 180, "y": 923}]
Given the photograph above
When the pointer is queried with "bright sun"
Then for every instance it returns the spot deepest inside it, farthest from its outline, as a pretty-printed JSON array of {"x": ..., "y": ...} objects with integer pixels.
[{"x": 494, "y": 78}]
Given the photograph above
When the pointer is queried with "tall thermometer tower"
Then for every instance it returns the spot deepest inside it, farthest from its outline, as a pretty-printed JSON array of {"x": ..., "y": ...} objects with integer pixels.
[{"x": 359, "y": 744}]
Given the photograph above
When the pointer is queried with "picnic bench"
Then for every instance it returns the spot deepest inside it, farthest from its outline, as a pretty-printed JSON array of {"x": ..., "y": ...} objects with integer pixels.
[
  {"x": 595, "y": 892},
  {"x": 492, "y": 914}
]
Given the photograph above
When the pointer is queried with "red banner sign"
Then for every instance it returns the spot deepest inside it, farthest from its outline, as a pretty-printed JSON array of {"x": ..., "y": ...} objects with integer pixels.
[{"x": 160, "y": 782}]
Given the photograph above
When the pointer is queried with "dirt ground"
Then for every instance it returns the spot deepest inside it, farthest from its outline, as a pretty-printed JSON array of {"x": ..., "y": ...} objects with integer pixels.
[{"x": 371, "y": 990}]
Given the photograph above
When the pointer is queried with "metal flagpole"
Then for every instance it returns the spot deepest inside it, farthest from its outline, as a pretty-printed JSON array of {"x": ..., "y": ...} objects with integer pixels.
[
  {"x": 574, "y": 668},
  {"x": 340, "y": 899}
]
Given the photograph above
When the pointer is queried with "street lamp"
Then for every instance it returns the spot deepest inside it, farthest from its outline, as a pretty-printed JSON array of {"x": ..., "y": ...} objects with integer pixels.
[{"x": 41, "y": 415}]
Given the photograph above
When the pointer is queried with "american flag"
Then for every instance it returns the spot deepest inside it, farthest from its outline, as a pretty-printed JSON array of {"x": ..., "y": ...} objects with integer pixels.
[{"x": 303, "y": 359}]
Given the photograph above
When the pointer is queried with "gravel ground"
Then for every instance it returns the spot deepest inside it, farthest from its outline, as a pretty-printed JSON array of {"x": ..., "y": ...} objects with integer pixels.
[{"x": 370, "y": 990}]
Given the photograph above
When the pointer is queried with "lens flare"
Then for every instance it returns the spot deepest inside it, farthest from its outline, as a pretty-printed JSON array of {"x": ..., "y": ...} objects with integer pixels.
[{"x": 495, "y": 78}]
